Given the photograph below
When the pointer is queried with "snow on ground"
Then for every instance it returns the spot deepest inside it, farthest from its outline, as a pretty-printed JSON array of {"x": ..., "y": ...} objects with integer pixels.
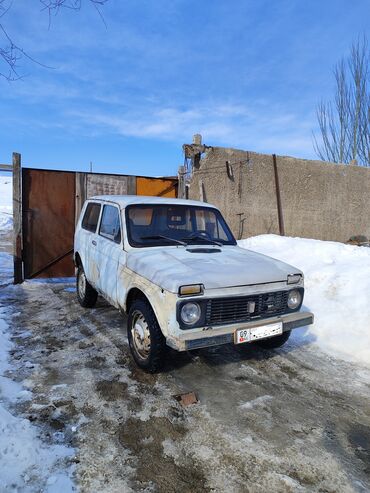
[
  {"x": 27, "y": 464},
  {"x": 337, "y": 287},
  {"x": 6, "y": 269},
  {"x": 6, "y": 208}
]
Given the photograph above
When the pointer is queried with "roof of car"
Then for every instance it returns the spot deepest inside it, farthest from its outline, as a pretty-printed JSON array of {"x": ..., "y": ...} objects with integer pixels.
[{"x": 125, "y": 200}]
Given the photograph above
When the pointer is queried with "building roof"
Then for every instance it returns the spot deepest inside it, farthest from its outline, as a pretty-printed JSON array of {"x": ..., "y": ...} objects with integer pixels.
[{"x": 125, "y": 200}]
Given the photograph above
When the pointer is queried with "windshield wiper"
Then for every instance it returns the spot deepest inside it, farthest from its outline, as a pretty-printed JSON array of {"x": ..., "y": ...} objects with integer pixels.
[
  {"x": 161, "y": 237},
  {"x": 203, "y": 238}
]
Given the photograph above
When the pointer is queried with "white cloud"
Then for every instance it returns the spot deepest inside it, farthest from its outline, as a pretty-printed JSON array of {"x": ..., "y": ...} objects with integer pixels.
[{"x": 260, "y": 128}]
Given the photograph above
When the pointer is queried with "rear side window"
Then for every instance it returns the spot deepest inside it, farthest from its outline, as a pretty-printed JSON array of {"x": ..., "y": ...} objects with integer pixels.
[
  {"x": 110, "y": 224},
  {"x": 91, "y": 217}
]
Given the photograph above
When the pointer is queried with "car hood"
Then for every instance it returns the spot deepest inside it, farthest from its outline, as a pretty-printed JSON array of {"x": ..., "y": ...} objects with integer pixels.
[{"x": 229, "y": 266}]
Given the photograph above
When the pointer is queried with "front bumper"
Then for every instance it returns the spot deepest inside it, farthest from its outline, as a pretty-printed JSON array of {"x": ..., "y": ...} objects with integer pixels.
[{"x": 206, "y": 337}]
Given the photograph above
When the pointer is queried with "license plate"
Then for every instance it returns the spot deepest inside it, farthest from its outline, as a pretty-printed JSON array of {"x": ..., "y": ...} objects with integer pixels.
[{"x": 255, "y": 333}]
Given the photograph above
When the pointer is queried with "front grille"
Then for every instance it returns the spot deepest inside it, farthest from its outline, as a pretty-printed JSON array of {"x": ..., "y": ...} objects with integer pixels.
[{"x": 220, "y": 311}]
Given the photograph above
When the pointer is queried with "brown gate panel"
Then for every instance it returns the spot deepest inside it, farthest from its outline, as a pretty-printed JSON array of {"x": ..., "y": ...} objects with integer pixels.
[
  {"x": 48, "y": 222},
  {"x": 159, "y": 187}
]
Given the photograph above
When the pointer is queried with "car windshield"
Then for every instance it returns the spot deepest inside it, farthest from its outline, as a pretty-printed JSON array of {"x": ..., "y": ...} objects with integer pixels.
[{"x": 159, "y": 225}]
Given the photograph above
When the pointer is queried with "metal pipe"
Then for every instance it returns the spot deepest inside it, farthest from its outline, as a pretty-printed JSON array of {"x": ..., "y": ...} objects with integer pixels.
[
  {"x": 278, "y": 198},
  {"x": 6, "y": 167}
]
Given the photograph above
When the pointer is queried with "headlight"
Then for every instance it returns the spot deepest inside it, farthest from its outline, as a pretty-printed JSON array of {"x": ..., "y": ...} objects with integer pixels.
[
  {"x": 190, "y": 313},
  {"x": 294, "y": 299}
]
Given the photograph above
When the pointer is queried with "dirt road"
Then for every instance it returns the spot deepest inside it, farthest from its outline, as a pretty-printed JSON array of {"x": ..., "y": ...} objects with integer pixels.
[{"x": 288, "y": 420}]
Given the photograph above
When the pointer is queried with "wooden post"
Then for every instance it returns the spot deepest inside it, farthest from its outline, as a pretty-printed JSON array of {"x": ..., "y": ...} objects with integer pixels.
[
  {"x": 181, "y": 192},
  {"x": 278, "y": 198},
  {"x": 17, "y": 218},
  {"x": 80, "y": 193},
  {"x": 131, "y": 185}
]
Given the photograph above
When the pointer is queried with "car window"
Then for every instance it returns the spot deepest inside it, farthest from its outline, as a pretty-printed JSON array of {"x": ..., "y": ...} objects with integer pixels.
[
  {"x": 155, "y": 225},
  {"x": 91, "y": 217},
  {"x": 110, "y": 223}
]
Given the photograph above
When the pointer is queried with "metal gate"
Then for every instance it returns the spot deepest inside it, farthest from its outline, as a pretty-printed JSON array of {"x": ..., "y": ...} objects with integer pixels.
[
  {"x": 48, "y": 209},
  {"x": 51, "y": 204}
]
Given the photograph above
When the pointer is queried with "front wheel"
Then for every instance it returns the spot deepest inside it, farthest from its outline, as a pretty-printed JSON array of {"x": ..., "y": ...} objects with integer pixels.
[
  {"x": 274, "y": 342},
  {"x": 147, "y": 343},
  {"x": 86, "y": 294}
]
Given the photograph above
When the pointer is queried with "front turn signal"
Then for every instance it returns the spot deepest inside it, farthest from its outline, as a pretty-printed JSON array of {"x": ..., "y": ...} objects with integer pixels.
[{"x": 191, "y": 290}]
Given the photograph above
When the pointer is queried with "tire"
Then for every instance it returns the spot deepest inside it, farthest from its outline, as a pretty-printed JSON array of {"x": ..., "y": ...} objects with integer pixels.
[
  {"x": 147, "y": 343},
  {"x": 86, "y": 294},
  {"x": 274, "y": 342}
]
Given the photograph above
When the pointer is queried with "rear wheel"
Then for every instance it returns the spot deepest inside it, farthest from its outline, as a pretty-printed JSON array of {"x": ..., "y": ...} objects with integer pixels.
[
  {"x": 86, "y": 294},
  {"x": 274, "y": 342},
  {"x": 147, "y": 343}
]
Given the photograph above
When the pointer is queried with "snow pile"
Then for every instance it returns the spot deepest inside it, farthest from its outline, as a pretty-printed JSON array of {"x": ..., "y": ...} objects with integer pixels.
[
  {"x": 25, "y": 462},
  {"x": 6, "y": 200},
  {"x": 6, "y": 269},
  {"x": 337, "y": 291}
]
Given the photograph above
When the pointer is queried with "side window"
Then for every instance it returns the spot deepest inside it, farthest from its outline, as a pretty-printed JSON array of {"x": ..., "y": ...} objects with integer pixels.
[
  {"x": 91, "y": 217},
  {"x": 110, "y": 224}
]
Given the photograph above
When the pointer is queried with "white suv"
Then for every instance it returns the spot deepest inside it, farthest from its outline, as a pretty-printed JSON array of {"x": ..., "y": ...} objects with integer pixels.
[{"x": 174, "y": 267}]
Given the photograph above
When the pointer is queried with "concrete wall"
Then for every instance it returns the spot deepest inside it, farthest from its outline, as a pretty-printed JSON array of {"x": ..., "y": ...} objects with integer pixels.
[{"x": 319, "y": 200}]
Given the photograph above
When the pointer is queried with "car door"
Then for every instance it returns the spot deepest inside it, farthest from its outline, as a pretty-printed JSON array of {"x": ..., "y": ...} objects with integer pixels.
[
  {"x": 87, "y": 240},
  {"x": 109, "y": 251}
]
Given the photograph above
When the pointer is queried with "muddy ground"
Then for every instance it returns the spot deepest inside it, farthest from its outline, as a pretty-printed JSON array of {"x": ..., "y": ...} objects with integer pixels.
[{"x": 288, "y": 420}]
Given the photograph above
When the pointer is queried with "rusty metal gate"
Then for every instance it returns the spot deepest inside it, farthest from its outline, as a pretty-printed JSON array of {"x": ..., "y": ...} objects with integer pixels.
[
  {"x": 51, "y": 204},
  {"x": 48, "y": 209}
]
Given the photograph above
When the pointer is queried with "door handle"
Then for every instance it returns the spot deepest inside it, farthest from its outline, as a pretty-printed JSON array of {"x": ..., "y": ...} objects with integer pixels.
[{"x": 94, "y": 242}]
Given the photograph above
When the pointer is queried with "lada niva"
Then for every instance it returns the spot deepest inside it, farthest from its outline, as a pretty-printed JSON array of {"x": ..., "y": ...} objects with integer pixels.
[{"x": 175, "y": 268}]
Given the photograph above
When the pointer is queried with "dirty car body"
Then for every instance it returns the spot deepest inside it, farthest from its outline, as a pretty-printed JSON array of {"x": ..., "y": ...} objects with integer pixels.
[{"x": 180, "y": 258}]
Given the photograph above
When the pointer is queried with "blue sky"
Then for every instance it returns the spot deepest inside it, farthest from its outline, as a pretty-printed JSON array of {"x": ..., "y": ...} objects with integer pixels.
[{"x": 243, "y": 73}]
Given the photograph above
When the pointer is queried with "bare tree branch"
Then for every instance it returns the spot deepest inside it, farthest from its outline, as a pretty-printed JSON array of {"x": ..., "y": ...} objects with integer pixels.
[
  {"x": 345, "y": 123},
  {"x": 11, "y": 53},
  {"x": 53, "y": 6}
]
